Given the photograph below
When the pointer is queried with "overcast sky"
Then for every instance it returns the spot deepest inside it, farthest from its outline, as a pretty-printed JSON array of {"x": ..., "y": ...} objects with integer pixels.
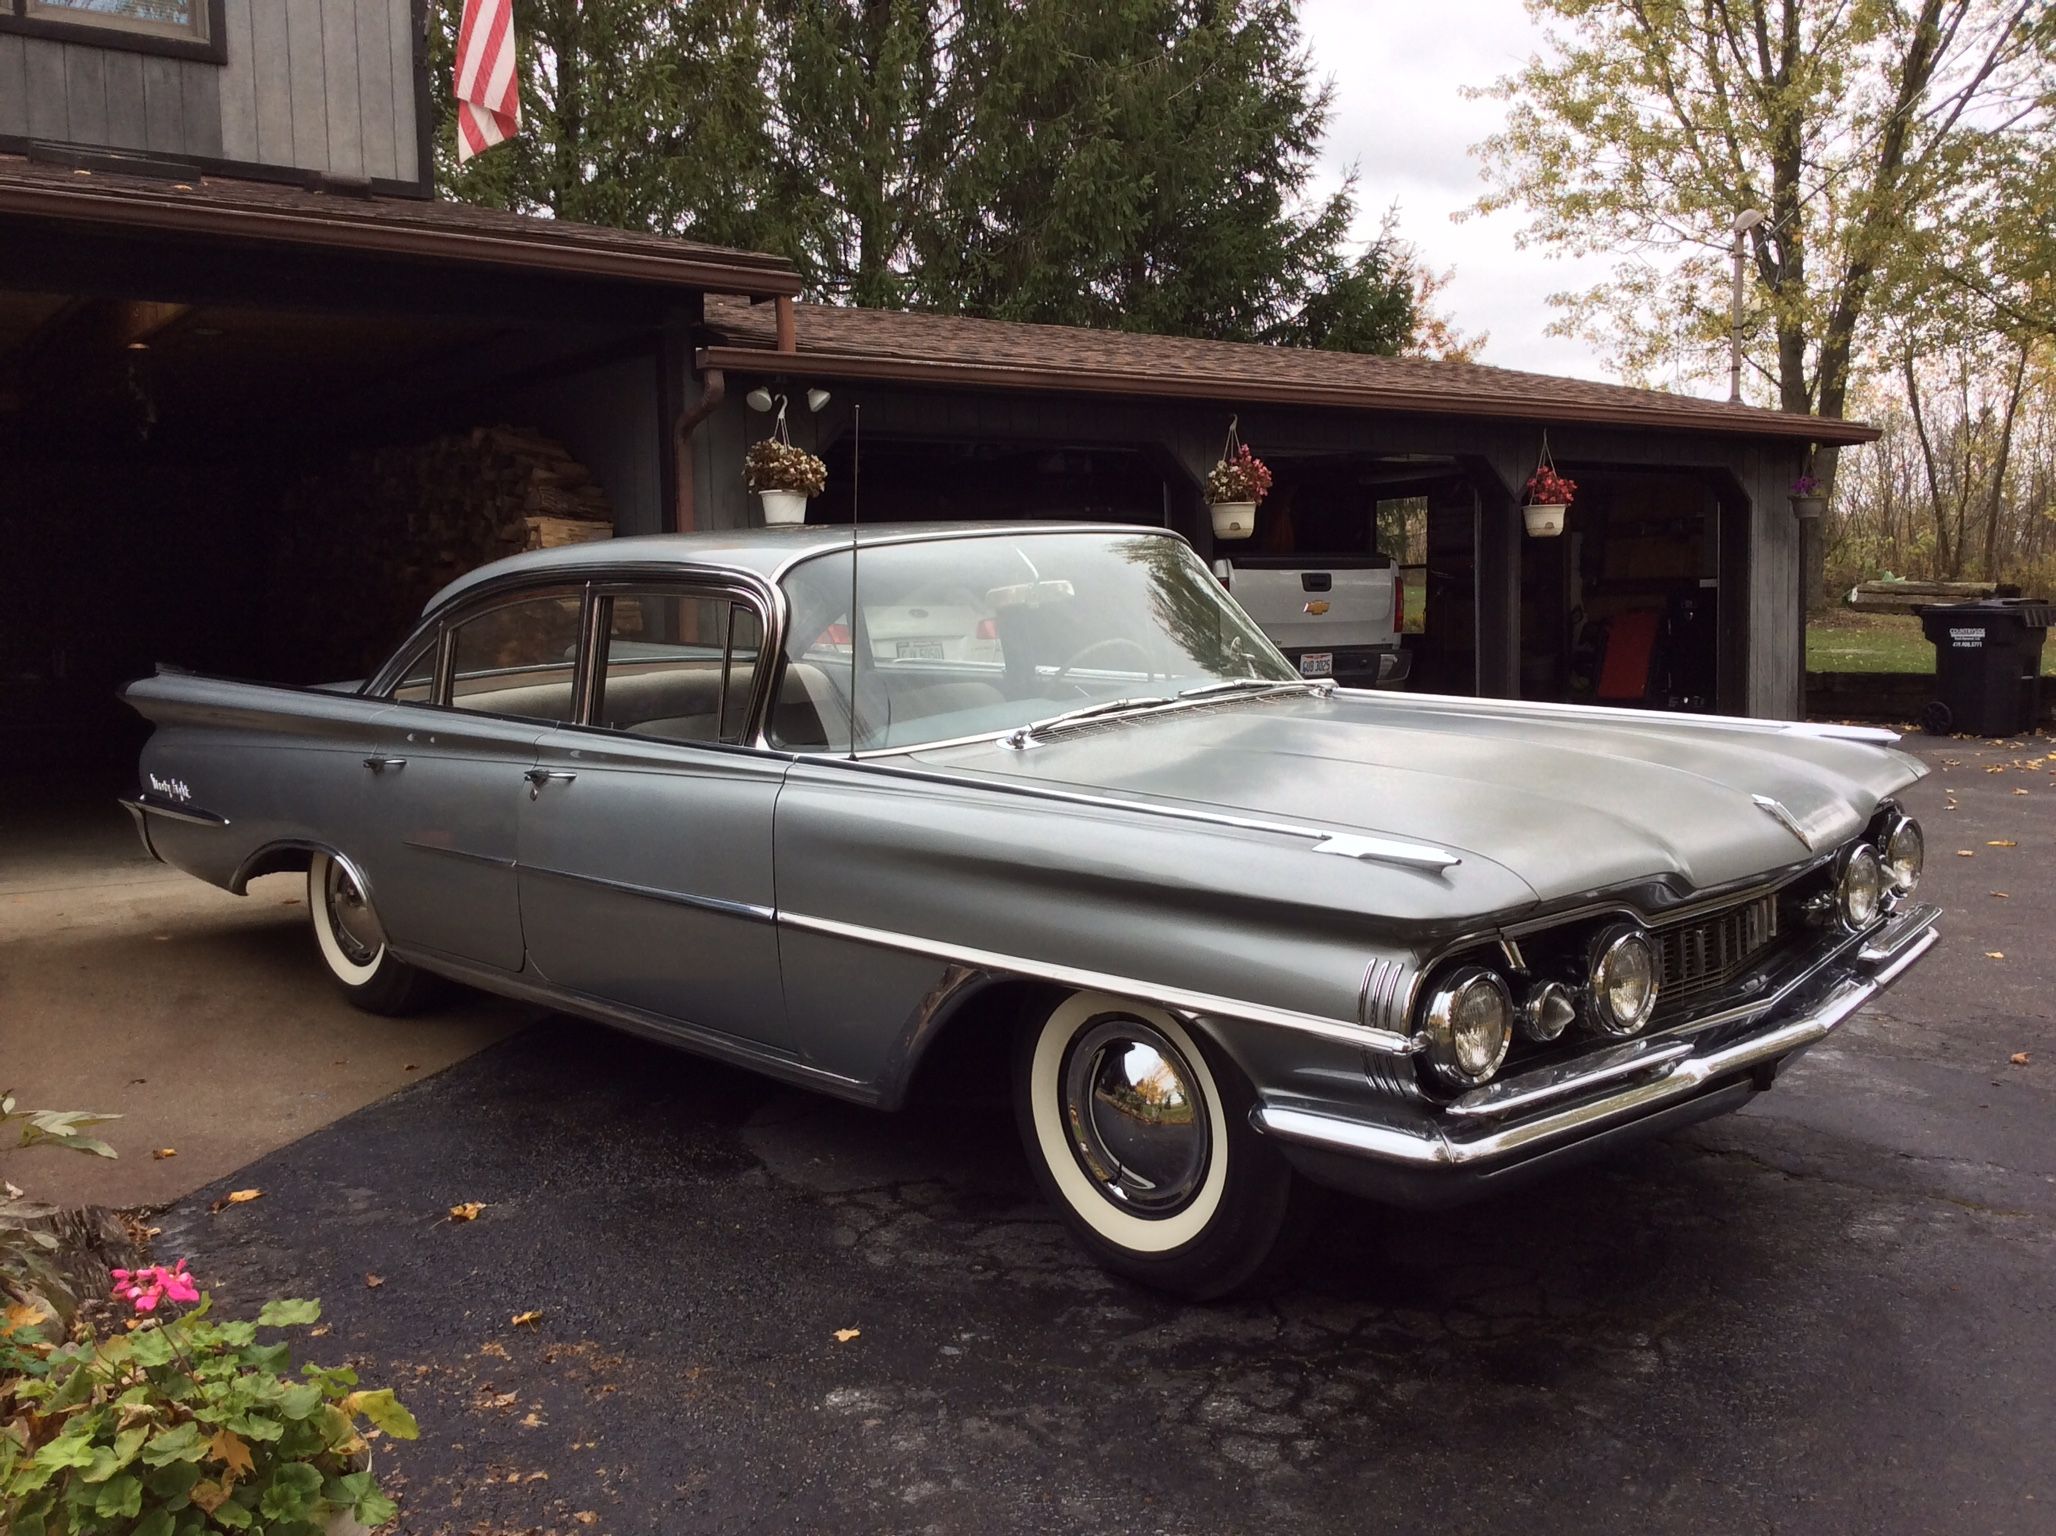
[{"x": 1400, "y": 116}]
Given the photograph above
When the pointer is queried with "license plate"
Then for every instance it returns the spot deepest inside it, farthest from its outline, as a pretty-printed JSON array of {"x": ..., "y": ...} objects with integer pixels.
[
  {"x": 920, "y": 650},
  {"x": 1317, "y": 664}
]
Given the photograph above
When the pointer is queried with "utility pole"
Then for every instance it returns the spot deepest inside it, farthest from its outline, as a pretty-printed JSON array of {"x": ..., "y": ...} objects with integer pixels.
[{"x": 1744, "y": 222}]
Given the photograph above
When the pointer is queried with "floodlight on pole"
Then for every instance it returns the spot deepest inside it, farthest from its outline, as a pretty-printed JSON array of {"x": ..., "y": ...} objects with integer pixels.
[{"x": 1745, "y": 221}]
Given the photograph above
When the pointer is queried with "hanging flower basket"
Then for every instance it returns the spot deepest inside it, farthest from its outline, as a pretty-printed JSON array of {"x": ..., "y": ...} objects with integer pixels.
[
  {"x": 1234, "y": 487},
  {"x": 1809, "y": 498},
  {"x": 1549, "y": 498},
  {"x": 785, "y": 477}
]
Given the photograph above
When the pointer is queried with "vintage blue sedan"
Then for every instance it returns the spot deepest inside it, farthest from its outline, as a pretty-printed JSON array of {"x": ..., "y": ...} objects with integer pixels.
[{"x": 1044, "y": 791}]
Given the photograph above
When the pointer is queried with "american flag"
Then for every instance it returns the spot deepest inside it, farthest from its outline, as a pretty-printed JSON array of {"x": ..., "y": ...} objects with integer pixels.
[{"x": 488, "y": 88}]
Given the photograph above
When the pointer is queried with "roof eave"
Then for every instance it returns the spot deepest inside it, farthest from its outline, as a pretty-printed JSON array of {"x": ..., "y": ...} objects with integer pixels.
[
  {"x": 170, "y": 214},
  {"x": 845, "y": 365}
]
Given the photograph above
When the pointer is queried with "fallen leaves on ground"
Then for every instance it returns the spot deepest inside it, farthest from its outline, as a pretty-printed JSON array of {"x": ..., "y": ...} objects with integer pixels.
[
  {"x": 2017, "y": 1059},
  {"x": 373, "y": 1282},
  {"x": 494, "y": 1348},
  {"x": 468, "y": 1211},
  {"x": 161, "y": 1153},
  {"x": 236, "y": 1197},
  {"x": 585, "y": 1517},
  {"x": 1966, "y": 853},
  {"x": 844, "y": 1335},
  {"x": 2001, "y": 895},
  {"x": 20, "y": 1314},
  {"x": 526, "y": 1319},
  {"x": 232, "y": 1452},
  {"x": 2002, "y": 842},
  {"x": 1995, "y": 954}
]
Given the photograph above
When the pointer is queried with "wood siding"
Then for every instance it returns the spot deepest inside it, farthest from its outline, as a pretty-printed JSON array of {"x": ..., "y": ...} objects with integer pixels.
[{"x": 314, "y": 85}]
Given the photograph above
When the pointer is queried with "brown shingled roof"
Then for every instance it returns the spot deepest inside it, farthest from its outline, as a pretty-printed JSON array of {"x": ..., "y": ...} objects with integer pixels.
[
  {"x": 836, "y": 342},
  {"x": 285, "y": 215}
]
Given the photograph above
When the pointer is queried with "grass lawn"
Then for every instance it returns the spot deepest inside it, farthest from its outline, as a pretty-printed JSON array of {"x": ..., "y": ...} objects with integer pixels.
[{"x": 1844, "y": 641}]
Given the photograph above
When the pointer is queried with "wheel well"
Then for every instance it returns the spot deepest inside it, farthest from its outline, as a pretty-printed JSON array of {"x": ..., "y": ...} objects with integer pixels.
[
  {"x": 966, "y": 1057},
  {"x": 278, "y": 859}
]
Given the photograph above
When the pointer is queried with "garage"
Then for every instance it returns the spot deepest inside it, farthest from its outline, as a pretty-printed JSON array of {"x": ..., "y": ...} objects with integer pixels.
[
  {"x": 1674, "y": 584},
  {"x": 248, "y": 428}
]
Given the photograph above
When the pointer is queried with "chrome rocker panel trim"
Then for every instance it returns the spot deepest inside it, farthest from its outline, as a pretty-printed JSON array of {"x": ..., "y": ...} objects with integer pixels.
[
  {"x": 1181, "y": 999},
  {"x": 1671, "y": 1072}
]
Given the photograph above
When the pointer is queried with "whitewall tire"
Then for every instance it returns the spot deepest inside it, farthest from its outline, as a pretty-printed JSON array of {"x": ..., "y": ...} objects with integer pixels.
[
  {"x": 1137, "y": 1128},
  {"x": 352, "y": 944}
]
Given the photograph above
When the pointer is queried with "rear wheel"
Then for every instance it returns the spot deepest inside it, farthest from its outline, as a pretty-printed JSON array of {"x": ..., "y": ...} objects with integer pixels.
[
  {"x": 353, "y": 947},
  {"x": 1138, "y": 1131}
]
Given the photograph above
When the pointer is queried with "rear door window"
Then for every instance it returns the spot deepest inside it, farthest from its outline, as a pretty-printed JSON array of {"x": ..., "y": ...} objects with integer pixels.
[
  {"x": 677, "y": 666},
  {"x": 519, "y": 658}
]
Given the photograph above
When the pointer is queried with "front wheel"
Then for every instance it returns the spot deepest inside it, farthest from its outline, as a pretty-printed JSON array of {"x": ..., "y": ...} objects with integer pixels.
[
  {"x": 353, "y": 946},
  {"x": 1138, "y": 1131}
]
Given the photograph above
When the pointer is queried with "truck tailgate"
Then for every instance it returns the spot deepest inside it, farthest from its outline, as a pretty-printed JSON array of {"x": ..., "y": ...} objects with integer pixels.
[{"x": 1306, "y": 605}]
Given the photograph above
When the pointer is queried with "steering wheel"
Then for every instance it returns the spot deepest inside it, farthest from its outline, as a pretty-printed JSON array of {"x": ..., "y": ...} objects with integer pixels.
[{"x": 1112, "y": 642}]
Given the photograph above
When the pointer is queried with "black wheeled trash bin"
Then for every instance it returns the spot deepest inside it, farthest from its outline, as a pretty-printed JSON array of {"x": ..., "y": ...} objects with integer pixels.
[{"x": 1988, "y": 665}]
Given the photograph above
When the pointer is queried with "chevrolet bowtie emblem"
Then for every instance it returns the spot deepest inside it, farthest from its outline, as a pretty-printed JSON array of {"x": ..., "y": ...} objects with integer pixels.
[{"x": 1316, "y": 607}]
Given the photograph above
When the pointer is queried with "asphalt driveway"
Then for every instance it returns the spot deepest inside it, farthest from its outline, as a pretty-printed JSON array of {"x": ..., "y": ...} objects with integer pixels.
[{"x": 1833, "y": 1312}]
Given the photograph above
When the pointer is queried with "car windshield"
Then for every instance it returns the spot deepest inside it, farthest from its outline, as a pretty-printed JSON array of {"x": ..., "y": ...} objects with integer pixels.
[{"x": 978, "y": 635}]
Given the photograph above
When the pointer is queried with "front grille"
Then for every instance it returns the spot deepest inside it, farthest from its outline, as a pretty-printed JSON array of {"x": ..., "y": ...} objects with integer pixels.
[{"x": 1701, "y": 957}]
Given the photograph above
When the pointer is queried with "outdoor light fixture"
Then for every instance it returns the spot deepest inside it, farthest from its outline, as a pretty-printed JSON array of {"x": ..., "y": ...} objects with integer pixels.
[
  {"x": 759, "y": 398},
  {"x": 817, "y": 400}
]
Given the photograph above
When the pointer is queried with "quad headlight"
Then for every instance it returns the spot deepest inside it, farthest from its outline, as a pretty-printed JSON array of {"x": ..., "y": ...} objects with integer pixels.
[
  {"x": 1621, "y": 981},
  {"x": 1469, "y": 1025},
  {"x": 1905, "y": 854},
  {"x": 1860, "y": 890}
]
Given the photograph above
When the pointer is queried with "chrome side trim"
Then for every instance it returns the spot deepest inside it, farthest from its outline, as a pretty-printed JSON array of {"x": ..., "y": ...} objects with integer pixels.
[
  {"x": 1386, "y": 996},
  {"x": 742, "y": 909},
  {"x": 140, "y": 803},
  {"x": 459, "y": 853},
  {"x": 1385, "y": 1042},
  {"x": 1416, "y": 855}
]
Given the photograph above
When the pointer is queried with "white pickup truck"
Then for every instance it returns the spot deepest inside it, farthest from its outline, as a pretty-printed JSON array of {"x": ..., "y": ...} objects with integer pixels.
[{"x": 1337, "y": 617}]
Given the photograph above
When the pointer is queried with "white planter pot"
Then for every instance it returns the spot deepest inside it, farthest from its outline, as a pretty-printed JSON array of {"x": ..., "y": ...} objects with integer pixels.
[
  {"x": 1545, "y": 518},
  {"x": 1233, "y": 519},
  {"x": 783, "y": 508},
  {"x": 1807, "y": 508}
]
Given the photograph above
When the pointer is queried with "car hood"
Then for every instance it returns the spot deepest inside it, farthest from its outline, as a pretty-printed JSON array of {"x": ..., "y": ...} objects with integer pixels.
[{"x": 1572, "y": 802}]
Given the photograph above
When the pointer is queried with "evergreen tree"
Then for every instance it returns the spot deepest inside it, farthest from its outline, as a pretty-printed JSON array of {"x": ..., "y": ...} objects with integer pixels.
[{"x": 1134, "y": 164}]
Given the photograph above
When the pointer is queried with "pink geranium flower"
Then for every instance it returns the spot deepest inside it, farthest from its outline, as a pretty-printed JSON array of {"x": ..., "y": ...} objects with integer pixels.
[{"x": 144, "y": 1288}]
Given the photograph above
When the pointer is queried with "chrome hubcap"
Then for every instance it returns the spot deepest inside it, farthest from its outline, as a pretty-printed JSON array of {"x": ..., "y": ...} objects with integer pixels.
[
  {"x": 349, "y": 915},
  {"x": 1137, "y": 1121}
]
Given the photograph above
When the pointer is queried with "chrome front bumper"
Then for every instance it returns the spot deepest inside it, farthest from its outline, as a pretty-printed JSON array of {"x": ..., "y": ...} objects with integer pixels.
[{"x": 1542, "y": 1119}]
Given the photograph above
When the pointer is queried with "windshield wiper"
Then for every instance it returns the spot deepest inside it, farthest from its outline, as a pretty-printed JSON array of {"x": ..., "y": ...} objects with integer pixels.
[
  {"x": 1035, "y": 728},
  {"x": 1254, "y": 685}
]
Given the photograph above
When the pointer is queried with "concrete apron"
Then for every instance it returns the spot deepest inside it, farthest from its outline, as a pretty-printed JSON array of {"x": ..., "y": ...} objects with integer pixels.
[{"x": 203, "y": 1019}]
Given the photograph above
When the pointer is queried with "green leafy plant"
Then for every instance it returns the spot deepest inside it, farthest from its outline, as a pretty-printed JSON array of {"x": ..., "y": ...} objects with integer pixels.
[
  {"x": 183, "y": 1425},
  {"x": 29, "y": 1275}
]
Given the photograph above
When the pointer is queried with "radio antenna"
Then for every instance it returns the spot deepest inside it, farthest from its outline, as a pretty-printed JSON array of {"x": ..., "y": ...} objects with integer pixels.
[{"x": 856, "y": 638}]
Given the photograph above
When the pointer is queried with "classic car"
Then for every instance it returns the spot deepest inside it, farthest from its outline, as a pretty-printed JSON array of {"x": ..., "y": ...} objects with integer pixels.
[{"x": 1221, "y": 928}]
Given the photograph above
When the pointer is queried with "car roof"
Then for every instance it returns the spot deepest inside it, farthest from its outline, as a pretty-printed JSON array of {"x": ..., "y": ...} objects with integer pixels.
[{"x": 766, "y": 553}]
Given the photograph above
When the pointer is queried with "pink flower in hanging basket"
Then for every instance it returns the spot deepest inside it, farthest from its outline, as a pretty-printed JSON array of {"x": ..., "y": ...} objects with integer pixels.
[
  {"x": 1240, "y": 478},
  {"x": 1546, "y": 488}
]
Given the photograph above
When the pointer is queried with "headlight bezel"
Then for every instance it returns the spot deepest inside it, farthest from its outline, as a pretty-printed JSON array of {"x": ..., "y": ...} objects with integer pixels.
[
  {"x": 1609, "y": 947},
  {"x": 1849, "y": 883},
  {"x": 1439, "y": 1021},
  {"x": 1902, "y": 826}
]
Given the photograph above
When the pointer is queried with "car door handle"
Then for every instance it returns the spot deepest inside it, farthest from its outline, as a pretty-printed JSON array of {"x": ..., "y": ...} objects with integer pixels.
[
  {"x": 538, "y": 777},
  {"x": 380, "y": 763}
]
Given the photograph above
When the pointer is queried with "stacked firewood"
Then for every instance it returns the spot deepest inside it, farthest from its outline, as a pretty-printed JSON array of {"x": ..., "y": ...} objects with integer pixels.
[{"x": 365, "y": 542}]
